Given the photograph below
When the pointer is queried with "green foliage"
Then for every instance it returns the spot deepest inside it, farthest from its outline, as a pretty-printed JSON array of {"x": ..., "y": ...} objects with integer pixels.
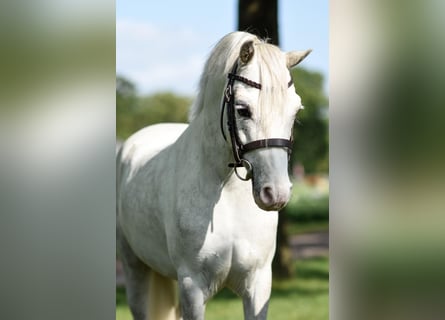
[
  {"x": 307, "y": 204},
  {"x": 125, "y": 96},
  {"x": 165, "y": 107},
  {"x": 134, "y": 113},
  {"x": 124, "y": 88},
  {"x": 311, "y": 140},
  {"x": 126, "y": 102}
]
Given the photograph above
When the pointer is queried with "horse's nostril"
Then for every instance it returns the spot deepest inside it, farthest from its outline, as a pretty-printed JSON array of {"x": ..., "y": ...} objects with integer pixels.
[
  {"x": 267, "y": 195},
  {"x": 271, "y": 197}
]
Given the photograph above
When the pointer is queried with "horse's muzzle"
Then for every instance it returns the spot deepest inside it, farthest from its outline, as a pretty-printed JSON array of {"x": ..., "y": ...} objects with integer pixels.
[{"x": 272, "y": 197}]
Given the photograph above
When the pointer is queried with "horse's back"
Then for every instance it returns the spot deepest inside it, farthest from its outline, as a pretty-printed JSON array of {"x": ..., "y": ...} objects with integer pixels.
[
  {"x": 143, "y": 145},
  {"x": 149, "y": 141}
]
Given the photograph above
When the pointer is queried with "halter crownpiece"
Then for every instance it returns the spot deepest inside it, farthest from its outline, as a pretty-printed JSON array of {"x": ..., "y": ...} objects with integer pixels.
[{"x": 238, "y": 148}]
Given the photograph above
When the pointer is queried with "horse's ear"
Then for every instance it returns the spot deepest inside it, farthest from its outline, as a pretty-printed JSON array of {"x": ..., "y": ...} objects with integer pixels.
[
  {"x": 295, "y": 57},
  {"x": 246, "y": 52}
]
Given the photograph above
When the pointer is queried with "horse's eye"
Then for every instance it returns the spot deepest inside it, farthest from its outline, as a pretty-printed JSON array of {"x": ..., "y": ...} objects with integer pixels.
[{"x": 244, "y": 111}]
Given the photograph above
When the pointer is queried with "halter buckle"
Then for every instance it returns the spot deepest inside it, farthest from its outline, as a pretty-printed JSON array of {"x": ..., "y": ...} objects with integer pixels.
[{"x": 228, "y": 93}]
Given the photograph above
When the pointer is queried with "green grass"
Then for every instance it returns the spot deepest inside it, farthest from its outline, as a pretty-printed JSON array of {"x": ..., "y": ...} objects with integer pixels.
[{"x": 303, "y": 297}]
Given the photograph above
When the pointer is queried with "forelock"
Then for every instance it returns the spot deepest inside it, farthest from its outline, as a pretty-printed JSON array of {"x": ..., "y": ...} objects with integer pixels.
[{"x": 274, "y": 78}]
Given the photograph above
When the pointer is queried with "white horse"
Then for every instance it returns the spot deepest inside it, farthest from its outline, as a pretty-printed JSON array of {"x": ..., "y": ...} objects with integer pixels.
[{"x": 182, "y": 213}]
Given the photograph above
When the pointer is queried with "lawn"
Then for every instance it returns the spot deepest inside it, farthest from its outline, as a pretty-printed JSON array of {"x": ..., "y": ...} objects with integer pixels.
[{"x": 306, "y": 296}]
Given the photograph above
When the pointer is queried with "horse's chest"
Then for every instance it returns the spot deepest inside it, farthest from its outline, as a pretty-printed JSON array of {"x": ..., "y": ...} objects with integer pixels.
[
  {"x": 227, "y": 257},
  {"x": 247, "y": 255},
  {"x": 243, "y": 246},
  {"x": 229, "y": 262}
]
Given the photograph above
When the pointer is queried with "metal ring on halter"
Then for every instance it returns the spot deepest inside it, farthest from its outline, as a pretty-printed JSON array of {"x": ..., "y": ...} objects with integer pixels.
[{"x": 248, "y": 166}]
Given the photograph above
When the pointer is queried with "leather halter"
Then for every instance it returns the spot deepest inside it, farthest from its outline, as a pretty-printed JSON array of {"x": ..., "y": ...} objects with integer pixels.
[{"x": 238, "y": 148}]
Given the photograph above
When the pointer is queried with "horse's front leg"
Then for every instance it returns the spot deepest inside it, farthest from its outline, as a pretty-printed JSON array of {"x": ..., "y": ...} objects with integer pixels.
[
  {"x": 191, "y": 297},
  {"x": 256, "y": 298}
]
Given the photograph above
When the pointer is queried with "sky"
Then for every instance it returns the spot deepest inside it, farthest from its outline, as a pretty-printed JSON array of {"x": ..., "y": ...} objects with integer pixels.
[{"x": 163, "y": 45}]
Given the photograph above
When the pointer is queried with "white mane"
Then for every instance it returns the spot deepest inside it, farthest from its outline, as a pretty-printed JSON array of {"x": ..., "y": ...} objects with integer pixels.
[{"x": 271, "y": 62}]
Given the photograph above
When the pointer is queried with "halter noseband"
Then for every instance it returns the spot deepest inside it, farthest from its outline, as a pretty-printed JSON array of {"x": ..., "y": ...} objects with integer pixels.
[{"x": 238, "y": 148}]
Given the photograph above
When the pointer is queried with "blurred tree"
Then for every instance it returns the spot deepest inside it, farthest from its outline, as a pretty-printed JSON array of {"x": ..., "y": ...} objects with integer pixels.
[
  {"x": 311, "y": 137},
  {"x": 134, "y": 113},
  {"x": 259, "y": 17},
  {"x": 125, "y": 87},
  {"x": 126, "y": 102},
  {"x": 163, "y": 107}
]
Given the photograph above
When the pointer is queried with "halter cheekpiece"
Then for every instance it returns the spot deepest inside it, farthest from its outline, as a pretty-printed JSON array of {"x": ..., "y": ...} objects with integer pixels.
[{"x": 238, "y": 148}]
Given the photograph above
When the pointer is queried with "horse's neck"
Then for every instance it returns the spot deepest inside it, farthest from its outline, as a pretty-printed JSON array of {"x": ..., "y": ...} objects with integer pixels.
[{"x": 210, "y": 151}]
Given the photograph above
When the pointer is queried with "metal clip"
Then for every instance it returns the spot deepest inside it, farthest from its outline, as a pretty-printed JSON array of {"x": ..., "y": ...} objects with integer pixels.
[{"x": 248, "y": 166}]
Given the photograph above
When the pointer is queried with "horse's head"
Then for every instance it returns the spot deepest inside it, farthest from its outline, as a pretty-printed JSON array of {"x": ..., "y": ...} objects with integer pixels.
[{"x": 264, "y": 105}]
